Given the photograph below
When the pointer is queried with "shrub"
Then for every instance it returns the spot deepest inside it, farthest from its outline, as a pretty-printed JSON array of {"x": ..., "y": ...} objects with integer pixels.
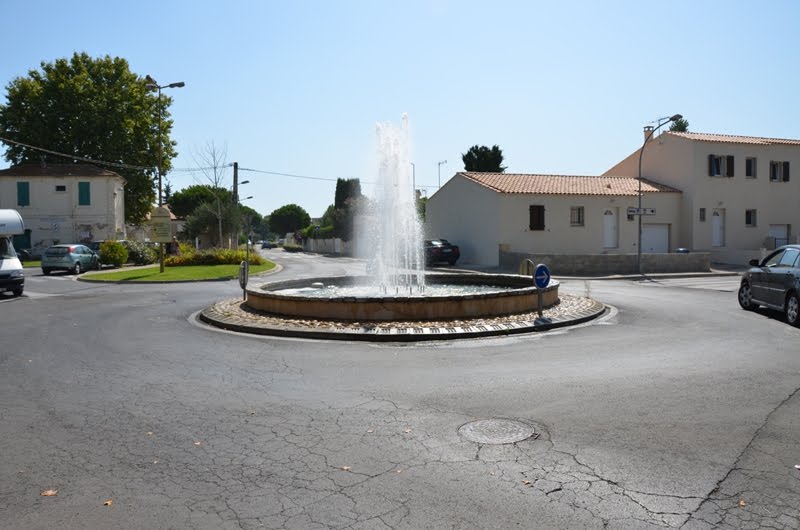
[
  {"x": 113, "y": 253},
  {"x": 292, "y": 247},
  {"x": 142, "y": 254},
  {"x": 213, "y": 256}
]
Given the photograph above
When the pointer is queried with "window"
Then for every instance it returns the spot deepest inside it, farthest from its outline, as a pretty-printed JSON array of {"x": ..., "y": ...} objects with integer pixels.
[
  {"x": 576, "y": 216},
  {"x": 720, "y": 166},
  {"x": 702, "y": 215},
  {"x": 750, "y": 218},
  {"x": 536, "y": 213},
  {"x": 84, "y": 194},
  {"x": 23, "y": 193},
  {"x": 750, "y": 167},
  {"x": 779, "y": 171},
  {"x": 60, "y": 187},
  {"x": 789, "y": 257}
]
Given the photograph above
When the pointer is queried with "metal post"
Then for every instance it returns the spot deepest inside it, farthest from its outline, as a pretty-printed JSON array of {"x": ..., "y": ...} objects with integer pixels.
[
  {"x": 440, "y": 171},
  {"x": 647, "y": 138}
]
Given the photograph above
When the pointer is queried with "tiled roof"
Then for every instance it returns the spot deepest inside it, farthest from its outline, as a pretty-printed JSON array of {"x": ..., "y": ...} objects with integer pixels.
[
  {"x": 35, "y": 169},
  {"x": 731, "y": 139},
  {"x": 565, "y": 184}
]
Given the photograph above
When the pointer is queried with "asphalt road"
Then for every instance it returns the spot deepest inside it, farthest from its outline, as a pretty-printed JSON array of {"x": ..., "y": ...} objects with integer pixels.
[{"x": 678, "y": 410}]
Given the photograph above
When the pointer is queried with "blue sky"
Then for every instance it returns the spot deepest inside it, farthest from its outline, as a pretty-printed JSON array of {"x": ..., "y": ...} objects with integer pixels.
[{"x": 297, "y": 86}]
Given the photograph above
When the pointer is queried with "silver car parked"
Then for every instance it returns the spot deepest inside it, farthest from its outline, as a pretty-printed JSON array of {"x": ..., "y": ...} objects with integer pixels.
[
  {"x": 774, "y": 282},
  {"x": 72, "y": 258}
]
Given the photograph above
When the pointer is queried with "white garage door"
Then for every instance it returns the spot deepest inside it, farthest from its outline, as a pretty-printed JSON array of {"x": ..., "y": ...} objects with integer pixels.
[{"x": 655, "y": 238}]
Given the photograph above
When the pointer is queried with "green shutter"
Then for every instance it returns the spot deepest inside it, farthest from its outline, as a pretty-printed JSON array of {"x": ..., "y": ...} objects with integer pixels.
[
  {"x": 84, "y": 194},
  {"x": 23, "y": 194}
]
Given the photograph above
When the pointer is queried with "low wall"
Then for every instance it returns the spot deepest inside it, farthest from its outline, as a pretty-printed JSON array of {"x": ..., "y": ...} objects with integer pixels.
[
  {"x": 523, "y": 297},
  {"x": 328, "y": 246},
  {"x": 610, "y": 264}
]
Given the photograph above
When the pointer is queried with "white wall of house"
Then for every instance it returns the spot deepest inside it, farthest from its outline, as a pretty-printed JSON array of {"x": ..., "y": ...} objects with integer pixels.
[
  {"x": 480, "y": 220},
  {"x": 466, "y": 214},
  {"x": 683, "y": 163},
  {"x": 55, "y": 215}
]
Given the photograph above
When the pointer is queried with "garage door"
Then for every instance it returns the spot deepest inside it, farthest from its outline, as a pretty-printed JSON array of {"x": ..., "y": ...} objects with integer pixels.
[{"x": 655, "y": 238}]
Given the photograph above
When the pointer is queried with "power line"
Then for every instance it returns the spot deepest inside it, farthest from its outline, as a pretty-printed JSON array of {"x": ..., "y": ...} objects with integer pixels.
[{"x": 77, "y": 157}]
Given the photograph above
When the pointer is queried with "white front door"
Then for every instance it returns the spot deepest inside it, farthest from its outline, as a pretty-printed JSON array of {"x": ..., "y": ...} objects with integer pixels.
[
  {"x": 655, "y": 238},
  {"x": 718, "y": 228},
  {"x": 610, "y": 232}
]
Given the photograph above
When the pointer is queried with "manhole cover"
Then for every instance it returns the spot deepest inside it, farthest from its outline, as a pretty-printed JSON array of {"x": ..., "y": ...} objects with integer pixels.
[{"x": 496, "y": 431}]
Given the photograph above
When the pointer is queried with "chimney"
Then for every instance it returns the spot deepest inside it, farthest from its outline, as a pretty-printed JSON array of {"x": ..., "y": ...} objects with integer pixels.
[{"x": 648, "y": 132}]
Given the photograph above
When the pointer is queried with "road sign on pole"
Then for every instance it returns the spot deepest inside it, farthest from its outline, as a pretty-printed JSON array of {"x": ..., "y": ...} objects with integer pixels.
[{"x": 641, "y": 211}]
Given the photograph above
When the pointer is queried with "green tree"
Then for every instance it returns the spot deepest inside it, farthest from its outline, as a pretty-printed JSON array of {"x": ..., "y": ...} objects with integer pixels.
[
  {"x": 186, "y": 201},
  {"x": 288, "y": 218},
  {"x": 480, "y": 158},
  {"x": 346, "y": 189},
  {"x": 93, "y": 108},
  {"x": 213, "y": 218},
  {"x": 680, "y": 125}
]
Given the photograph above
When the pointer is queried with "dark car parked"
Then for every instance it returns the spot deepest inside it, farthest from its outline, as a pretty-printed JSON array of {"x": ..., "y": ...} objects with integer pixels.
[
  {"x": 441, "y": 251},
  {"x": 774, "y": 283}
]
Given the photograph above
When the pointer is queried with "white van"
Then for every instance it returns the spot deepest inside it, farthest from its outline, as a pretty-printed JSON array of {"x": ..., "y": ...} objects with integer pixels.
[{"x": 11, "y": 276}]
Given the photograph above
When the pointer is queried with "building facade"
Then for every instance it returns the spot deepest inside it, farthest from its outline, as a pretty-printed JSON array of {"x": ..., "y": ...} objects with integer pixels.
[
  {"x": 64, "y": 203},
  {"x": 739, "y": 194},
  {"x": 486, "y": 213}
]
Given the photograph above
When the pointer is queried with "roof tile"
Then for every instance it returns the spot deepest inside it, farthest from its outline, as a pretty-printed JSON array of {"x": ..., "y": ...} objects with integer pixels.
[
  {"x": 565, "y": 184},
  {"x": 732, "y": 139}
]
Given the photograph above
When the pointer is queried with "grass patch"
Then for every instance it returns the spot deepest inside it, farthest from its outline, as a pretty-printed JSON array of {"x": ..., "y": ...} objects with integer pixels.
[
  {"x": 176, "y": 274},
  {"x": 32, "y": 264}
]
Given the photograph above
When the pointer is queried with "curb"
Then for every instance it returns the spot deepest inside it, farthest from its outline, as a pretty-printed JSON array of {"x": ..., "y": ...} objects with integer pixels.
[
  {"x": 216, "y": 316},
  {"x": 88, "y": 278}
]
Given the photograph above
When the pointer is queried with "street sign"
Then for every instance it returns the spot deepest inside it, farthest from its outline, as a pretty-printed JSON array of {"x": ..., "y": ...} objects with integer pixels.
[
  {"x": 641, "y": 211},
  {"x": 541, "y": 276},
  {"x": 160, "y": 226}
]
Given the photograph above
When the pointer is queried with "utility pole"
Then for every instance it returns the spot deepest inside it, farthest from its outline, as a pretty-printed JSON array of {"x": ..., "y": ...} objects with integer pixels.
[
  {"x": 235, "y": 182},
  {"x": 440, "y": 171}
]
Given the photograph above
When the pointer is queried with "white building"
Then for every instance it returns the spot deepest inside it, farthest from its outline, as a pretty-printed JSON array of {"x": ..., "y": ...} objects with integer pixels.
[
  {"x": 64, "y": 203},
  {"x": 738, "y": 192},
  {"x": 485, "y": 213}
]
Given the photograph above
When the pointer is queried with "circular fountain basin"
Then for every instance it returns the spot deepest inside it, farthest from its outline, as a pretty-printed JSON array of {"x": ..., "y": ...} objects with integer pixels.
[{"x": 494, "y": 295}]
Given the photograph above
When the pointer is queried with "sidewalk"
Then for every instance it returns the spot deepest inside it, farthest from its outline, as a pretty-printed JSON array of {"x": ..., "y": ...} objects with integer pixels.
[{"x": 717, "y": 269}]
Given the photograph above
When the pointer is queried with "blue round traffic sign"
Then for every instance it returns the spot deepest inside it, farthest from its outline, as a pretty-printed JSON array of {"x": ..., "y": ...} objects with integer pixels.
[{"x": 541, "y": 276}]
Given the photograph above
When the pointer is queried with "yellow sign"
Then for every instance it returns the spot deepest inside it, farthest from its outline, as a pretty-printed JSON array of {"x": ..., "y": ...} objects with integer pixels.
[{"x": 160, "y": 226}]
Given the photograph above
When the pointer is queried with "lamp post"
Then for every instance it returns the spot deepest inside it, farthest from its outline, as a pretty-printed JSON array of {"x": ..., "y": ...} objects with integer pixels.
[
  {"x": 153, "y": 85},
  {"x": 414, "y": 179},
  {"x": 440, "y": 171},
  {"x": 648, "y": 136}
]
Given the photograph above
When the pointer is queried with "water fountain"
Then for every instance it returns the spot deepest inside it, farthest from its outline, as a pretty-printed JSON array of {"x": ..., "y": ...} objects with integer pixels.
[{"x": 398, "y": 287}]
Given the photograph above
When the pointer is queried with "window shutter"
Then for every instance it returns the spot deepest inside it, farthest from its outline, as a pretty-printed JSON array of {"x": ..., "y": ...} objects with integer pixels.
[
  {"x": 786, "y": 171},
  {"x": 730, "y": 165},
  {"x": 23, "y": 194},
  {"x": 536, "y": 217},
  {"x": 711, "y": 165},
  {"x": 84, "y": 194}
]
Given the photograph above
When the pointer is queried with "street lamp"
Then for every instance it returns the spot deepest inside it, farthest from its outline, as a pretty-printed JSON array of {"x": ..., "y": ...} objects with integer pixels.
[
  {"x": 648, "y": 136},
  {"x": 153, "y": 85},
  {"x": 440, "y": 171}
]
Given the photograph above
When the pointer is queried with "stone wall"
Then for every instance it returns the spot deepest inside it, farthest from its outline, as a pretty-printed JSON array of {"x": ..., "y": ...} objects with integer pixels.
[{"x": 609, "y": 264}]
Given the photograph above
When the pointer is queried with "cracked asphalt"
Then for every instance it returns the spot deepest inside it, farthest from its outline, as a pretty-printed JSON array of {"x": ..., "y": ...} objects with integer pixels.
[{"x": 678, "y": 410}]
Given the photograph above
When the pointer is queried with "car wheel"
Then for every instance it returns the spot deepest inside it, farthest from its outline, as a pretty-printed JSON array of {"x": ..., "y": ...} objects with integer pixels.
[
  {"x": 77, "y": 269},
  {"x": 746, "y": 297},
  {"x": 46, "y": 272},
  {"x": 793, "y": 309},
  {"x": 17, "y": 292}
]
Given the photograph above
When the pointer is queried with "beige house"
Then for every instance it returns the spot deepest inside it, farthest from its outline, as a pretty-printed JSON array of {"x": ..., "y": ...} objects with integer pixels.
[
  {"x": 739, "y": 195},
  {"x": 64, "y": 203},
  {"x": 486, "y": 213}
]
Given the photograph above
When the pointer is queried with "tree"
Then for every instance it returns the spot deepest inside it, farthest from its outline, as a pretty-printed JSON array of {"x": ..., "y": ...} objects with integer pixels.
[
  {"x": 482, "y": 159},
  {"x": 680, "y": 125},
  {"x": 346, "y": 189},
  {"x": 96, "y": 109},
  {"x": 186, "y": 201},
  {"x": 288, "y": 218}
]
